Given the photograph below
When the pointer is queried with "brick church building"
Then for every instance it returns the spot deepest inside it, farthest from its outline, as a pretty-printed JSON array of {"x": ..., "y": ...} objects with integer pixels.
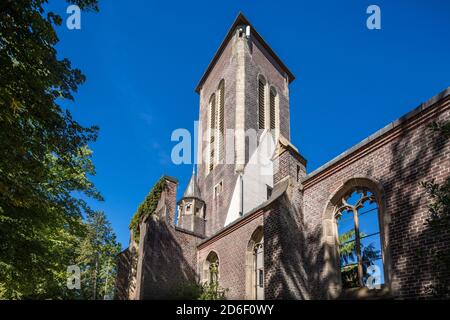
[{"x": 256, "y": 223}]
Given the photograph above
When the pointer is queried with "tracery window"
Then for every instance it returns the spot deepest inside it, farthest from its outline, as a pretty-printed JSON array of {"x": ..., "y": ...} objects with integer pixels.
[{"x": 360, "y": 250}]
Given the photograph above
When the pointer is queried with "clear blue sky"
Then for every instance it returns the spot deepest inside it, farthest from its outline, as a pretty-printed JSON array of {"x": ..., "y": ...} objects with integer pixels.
[{"x": 143, "y": 59}]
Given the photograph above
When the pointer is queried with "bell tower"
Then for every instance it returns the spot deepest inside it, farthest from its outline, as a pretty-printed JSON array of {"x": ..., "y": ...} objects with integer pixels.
[{"x": 244, "y": 110}]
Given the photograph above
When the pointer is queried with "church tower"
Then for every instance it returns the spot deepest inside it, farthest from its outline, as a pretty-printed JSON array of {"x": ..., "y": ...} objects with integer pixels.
[{"x": 244, "y": 110}]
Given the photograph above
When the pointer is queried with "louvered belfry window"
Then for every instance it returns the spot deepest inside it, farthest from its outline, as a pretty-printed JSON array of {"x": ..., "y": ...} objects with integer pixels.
[
  {"x": 212, "y": 129},
  {"x": 261, "y": 102},
  {"x": 272, "y": 103},
  {"x": 221, "y": 120}
]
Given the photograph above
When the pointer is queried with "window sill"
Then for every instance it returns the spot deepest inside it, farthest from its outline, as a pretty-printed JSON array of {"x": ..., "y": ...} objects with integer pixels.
[{"x": 366, "y": 293}]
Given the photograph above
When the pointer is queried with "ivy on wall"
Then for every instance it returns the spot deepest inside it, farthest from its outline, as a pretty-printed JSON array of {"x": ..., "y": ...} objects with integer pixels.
[{"x": 147, "y": 207}]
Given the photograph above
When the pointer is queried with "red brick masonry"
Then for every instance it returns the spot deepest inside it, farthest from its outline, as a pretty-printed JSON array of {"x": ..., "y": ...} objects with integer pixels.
[{"x": 299, "y": 247}]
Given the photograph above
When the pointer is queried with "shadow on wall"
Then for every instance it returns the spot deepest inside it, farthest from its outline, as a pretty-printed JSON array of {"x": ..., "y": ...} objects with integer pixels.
[
  {"x": 293, "y": 255},
  {"x": 296, "y": 257},
  {"x": 123, "y": 275},
  {"x": 416, "y": 159},
  {"x": 166, "y": 272}
]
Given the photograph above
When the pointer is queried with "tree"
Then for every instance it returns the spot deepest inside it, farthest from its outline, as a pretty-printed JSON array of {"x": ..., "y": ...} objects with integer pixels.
[
  {"x": 97, "y": 257},
  {"x": 45, "y": 160},
  {"x": 347, "y": 251}
]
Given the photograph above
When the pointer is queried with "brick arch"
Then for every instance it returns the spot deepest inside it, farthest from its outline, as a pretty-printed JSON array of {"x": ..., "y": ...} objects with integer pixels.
[
  {"x": 330, "y": 234},
  {"x": 256, "y": 237}
]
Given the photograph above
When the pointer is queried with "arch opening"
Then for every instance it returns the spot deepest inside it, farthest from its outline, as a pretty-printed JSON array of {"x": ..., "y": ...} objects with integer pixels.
[{"x": 255, "y": 266}]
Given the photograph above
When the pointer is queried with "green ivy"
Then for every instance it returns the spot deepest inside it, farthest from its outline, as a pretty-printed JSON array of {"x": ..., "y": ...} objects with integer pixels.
[{"x": 147, "y": 207}]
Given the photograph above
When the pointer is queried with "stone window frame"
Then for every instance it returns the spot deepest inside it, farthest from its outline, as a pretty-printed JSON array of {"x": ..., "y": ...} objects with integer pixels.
[
  {"x": 262, "y": 78},
  {"x": 273, "y": 89},
  {"x": 256, "y": 238},
  {"x": 216, "y": 191},
  {"x": 220, "y": 122},
  {"x": 216, "y": 127},
  {"x": 332, "y": 270},
  {"x": 212, "y": 123},
  {"x": 268, "y": 88}
]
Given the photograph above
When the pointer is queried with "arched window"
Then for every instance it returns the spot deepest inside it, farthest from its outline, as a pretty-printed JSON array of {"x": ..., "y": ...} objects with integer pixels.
[
  {"x": 272, "y": 108},
  {"x": 261, "y": 102},
  {"x": 255, "y": 266},
  {"x": 212, "y": 130},
  {"x": 360, "y": 246},
  {"x": 221, "y": 118},
  {"x": 258, "y": 258},
  {"x": 211, "y": 269}
]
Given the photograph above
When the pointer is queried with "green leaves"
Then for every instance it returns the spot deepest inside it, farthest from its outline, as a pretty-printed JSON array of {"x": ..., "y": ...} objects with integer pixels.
[
  {"x": 147, "y": 207},
  {"x": 45, "y": 159},
  {"x": 96, "y": 257}
]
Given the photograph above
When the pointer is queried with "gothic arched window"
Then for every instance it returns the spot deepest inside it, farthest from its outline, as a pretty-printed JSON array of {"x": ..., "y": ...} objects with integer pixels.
[
  {"x": 261, "y": 102},
  {"x": 221, "y": 118},
  {"x": 212, "y": 129},
  {"x": 258, "y": 260},
  {"x": 255, "y": 266},
  {"x": 272, "y": 108},
  {"x": 360, "y": 248}
]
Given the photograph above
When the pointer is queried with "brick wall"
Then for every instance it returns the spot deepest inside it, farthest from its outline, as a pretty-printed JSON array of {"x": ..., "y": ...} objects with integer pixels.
[
  {"x": 396, "y": 160},
  {"x": 123, "y": 275},
  {"x": 300, "y": 259},
  {"x": 259, "y": 62},
  {"x": 167, "y": 255},
  {"x": 216, "y": 209},
  {"x": 231, "y": 248}
]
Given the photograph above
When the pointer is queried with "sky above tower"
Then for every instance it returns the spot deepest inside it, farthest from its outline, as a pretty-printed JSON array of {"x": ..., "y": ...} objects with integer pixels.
[{"x": 143, "y": 60}]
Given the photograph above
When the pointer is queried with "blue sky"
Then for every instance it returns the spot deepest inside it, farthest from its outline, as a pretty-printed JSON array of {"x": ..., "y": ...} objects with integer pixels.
[{"x": 144, "y": 58}]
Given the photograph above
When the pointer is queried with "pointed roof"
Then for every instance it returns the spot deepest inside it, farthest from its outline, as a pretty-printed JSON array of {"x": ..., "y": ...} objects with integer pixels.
[
  {"x": 242, "y": 20},
  {"x": 192, "y": 189}
]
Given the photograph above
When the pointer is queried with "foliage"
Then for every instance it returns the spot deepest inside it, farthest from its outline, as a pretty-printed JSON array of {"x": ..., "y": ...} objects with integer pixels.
[
  {"x": 347, "y": 247},
  {"x": 439, "y": 224},
  {"x": 212, "y": 291},
  {"x": 197, "y": 291},
  {"x": 442, "y": 128},
  {"x": 187, "y": 291},
  {"x": 147, "y": 207},
  {"x": 347, "y": 251},
  {"x": 96, "y": 257},
  {"x": 45, "y": 161},
  {"x": 349, "y": 275}
]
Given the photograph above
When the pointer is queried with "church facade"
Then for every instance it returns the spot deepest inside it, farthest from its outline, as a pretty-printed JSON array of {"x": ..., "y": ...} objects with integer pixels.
[{"x": 256, "y": 224}]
